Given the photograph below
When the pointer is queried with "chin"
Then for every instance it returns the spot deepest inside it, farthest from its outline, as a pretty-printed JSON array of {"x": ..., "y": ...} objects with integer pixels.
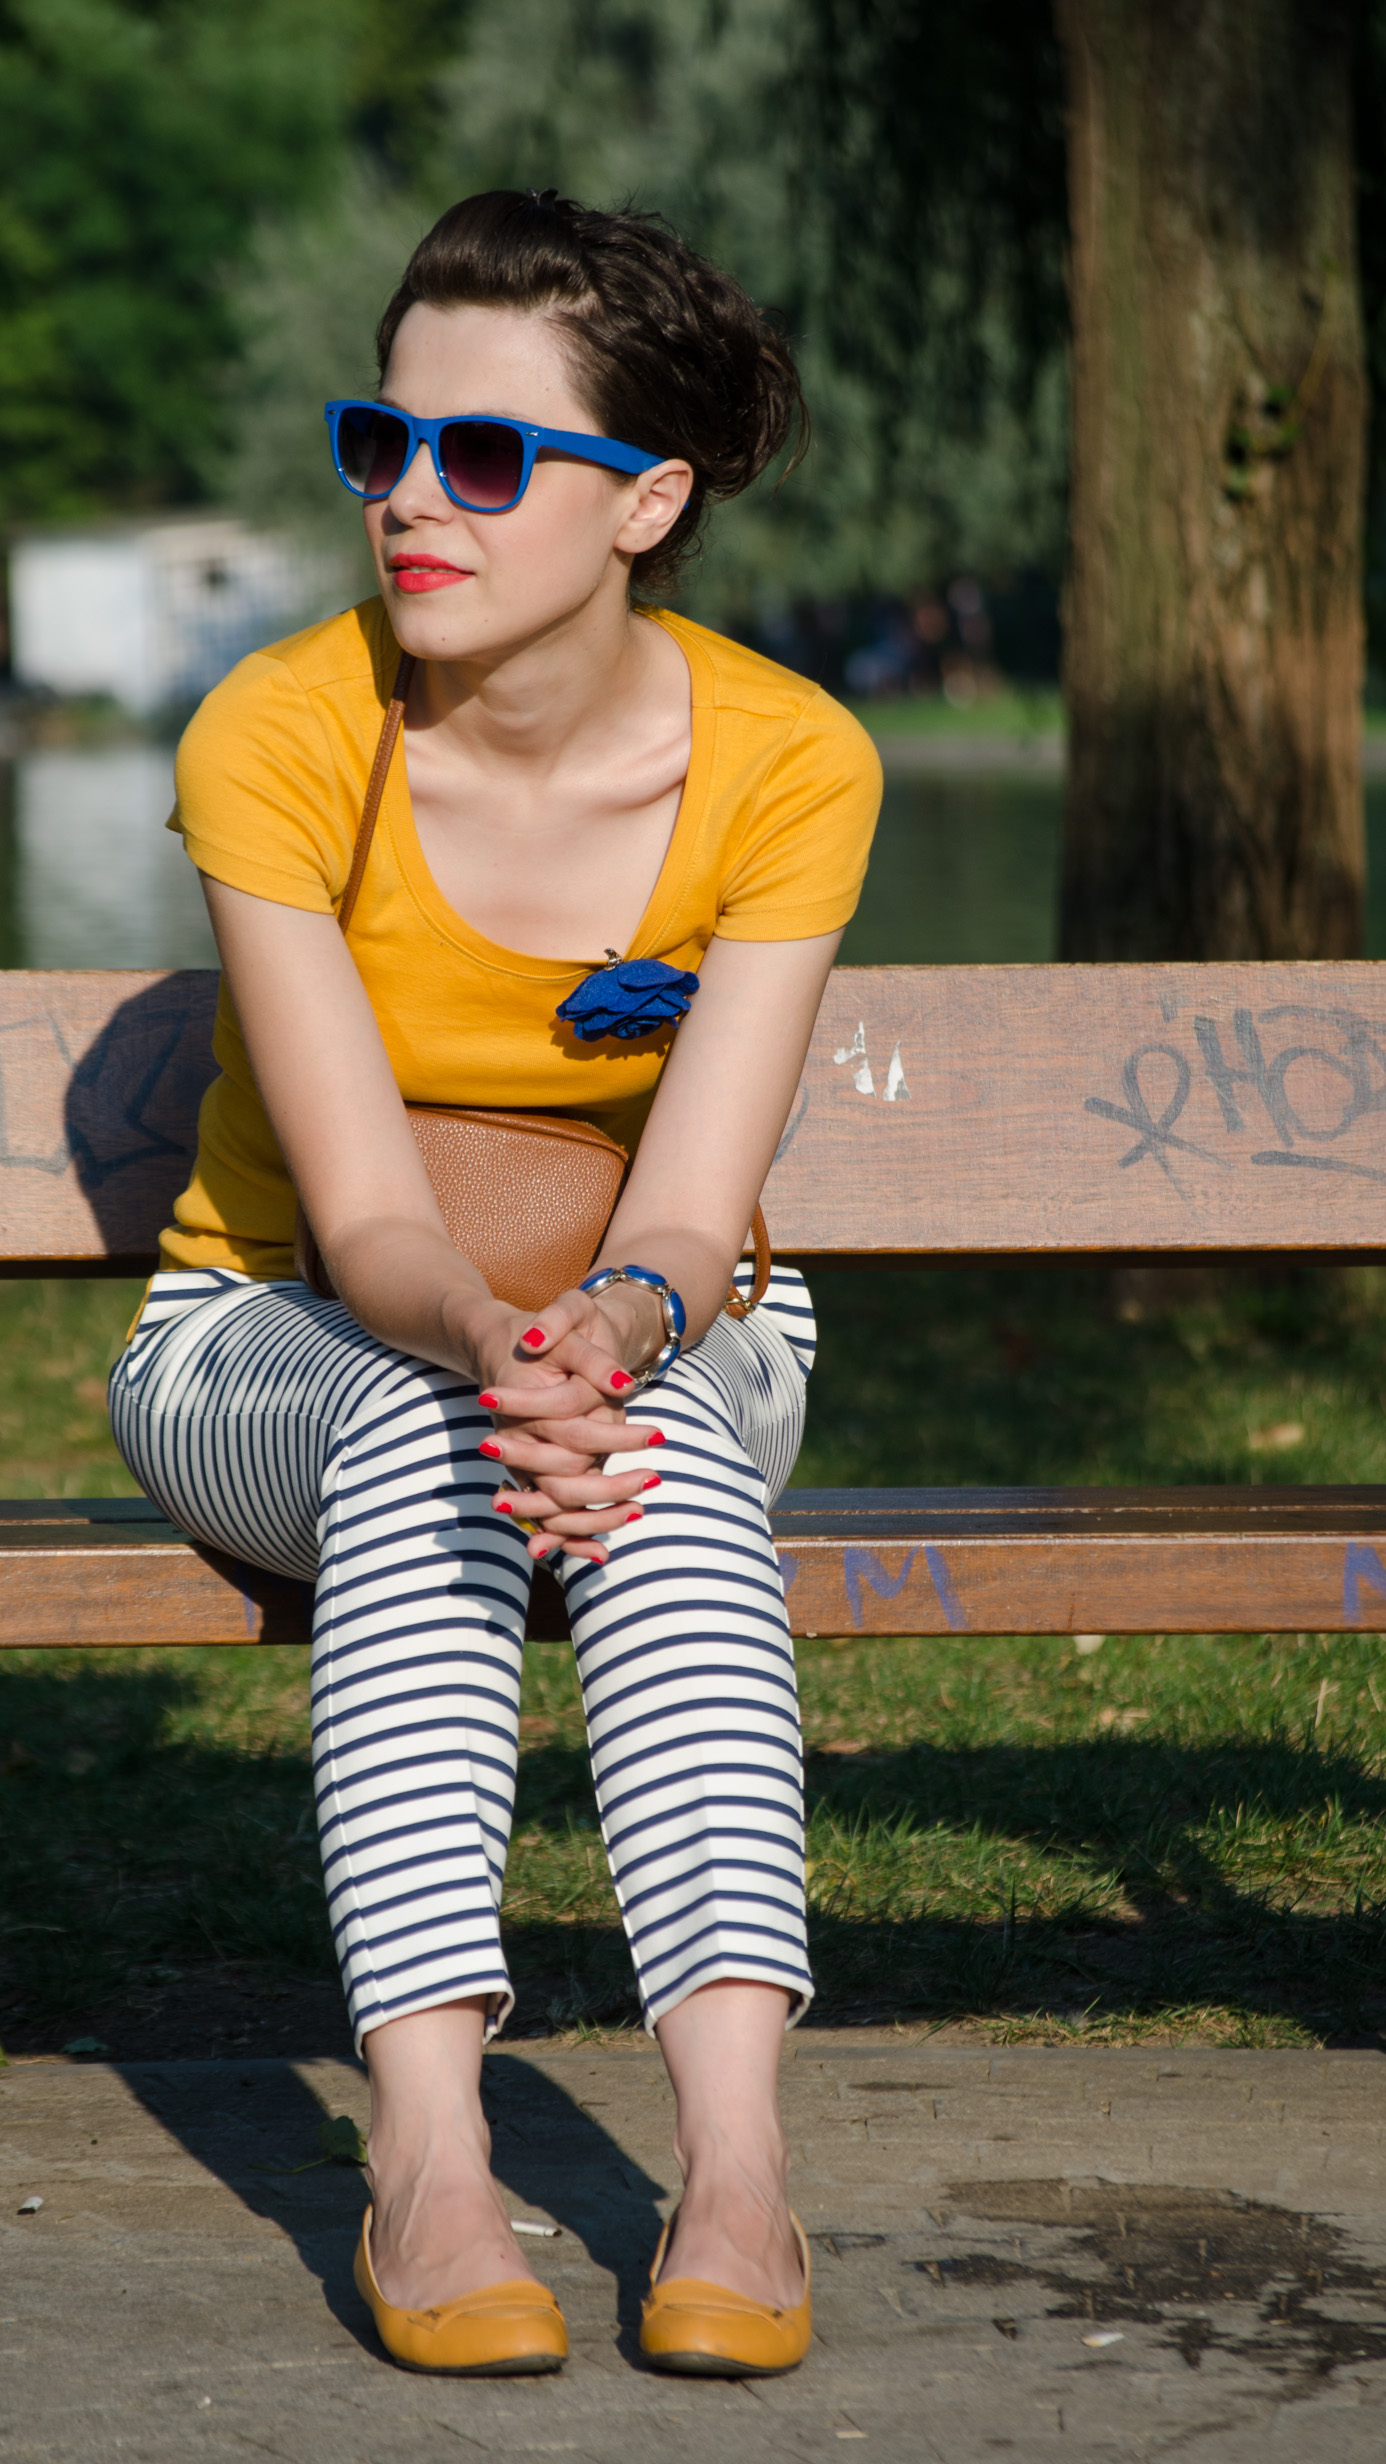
[
  {"x": 435, "y": 624},
  {"x": 459, "y": 624}
]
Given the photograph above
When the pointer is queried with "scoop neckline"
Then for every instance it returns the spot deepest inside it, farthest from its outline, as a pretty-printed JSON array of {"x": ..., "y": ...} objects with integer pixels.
[{"x": 454, "y": 927}]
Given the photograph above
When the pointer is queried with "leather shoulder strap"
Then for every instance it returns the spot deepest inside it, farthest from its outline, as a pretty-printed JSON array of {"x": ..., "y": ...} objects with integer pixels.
[
  {"x": 738, "y": 1305},
  {"x": 375, "y": 788}
]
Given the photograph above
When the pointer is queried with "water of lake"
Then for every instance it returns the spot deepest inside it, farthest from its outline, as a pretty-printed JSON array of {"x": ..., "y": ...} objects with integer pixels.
[{"x": 964, "y": 868}]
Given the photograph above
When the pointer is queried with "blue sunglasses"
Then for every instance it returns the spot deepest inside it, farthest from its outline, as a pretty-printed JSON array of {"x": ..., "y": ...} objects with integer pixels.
[{"x": 483, "y": 464}]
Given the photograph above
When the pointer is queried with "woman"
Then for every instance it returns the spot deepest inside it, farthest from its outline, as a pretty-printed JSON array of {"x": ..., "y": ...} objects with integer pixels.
[{"x": 579, "y": 773}]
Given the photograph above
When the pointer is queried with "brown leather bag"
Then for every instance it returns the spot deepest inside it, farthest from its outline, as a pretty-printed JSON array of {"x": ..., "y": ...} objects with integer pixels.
[{"x": 527, "y": 1196}]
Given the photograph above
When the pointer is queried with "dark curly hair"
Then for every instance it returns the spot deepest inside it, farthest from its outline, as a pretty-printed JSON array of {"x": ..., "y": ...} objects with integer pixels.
[{"x": 667, "y": 350}]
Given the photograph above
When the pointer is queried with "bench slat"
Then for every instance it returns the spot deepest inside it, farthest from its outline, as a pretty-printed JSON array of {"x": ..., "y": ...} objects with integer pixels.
[
  {"x": 1015, "y": 1113},
  {"x": 101, "y": 1076},
  {"x": 924, "y": 1562},
  {"x": 946, "y": 1114}
]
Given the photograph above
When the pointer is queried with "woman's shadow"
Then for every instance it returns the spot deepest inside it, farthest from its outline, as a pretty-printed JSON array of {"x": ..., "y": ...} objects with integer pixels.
[{"x": 256, "y": 2126}]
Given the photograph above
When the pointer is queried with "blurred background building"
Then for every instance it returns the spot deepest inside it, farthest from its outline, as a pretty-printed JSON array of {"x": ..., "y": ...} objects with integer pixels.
[{"x": 150, "y": 615}]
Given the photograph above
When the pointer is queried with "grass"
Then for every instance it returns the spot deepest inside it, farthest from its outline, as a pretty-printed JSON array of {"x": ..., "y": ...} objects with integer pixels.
[
  {"x": 57, "y": 1344},
  {"x": 1013, "y": 711},
  {"x": 1010, "y": 712},
  {"x": 1172, "y": 1837}
]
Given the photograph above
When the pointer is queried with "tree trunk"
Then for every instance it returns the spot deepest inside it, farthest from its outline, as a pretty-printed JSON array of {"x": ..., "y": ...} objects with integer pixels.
[{"x": 1213, "y": 651}]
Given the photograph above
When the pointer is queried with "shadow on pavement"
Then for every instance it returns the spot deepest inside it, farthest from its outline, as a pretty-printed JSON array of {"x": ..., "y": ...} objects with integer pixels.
[{"x": 253, "y": 2124}]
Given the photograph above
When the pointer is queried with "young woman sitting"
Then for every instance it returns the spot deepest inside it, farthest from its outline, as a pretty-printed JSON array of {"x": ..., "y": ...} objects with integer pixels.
[{"x": 563, "y": 392}]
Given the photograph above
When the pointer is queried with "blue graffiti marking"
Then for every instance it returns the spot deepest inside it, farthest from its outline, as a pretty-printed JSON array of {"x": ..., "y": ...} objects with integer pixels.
[
  {"x": 948, "y": 1600},
  {"x": 864, "y": 1566},
  {"x": 1360, "y": 1565},
  {"x": 860, "y": 1565}
]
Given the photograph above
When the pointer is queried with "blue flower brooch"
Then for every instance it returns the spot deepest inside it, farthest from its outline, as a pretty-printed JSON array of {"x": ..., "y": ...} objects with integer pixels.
[{"x": 626, "y": 998}]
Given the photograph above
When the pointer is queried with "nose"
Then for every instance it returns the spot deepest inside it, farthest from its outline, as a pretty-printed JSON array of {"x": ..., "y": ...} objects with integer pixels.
[{"x": 419, "y": 486}]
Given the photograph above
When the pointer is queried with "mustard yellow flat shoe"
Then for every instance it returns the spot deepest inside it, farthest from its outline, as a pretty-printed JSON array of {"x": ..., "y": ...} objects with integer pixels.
[
  {"x": 704, "y": 2331},
  {"x": 501, "y": 2332}
]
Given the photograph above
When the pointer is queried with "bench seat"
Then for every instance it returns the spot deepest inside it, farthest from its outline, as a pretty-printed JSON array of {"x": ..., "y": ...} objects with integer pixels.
[{"x": 100, "y": 1571}]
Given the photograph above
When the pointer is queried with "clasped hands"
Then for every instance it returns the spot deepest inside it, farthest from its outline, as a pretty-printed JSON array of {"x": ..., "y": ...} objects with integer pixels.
[{"x": 554, "y": 1381}]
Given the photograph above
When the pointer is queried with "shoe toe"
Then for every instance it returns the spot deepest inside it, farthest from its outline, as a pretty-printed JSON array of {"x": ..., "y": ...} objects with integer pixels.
[
  {"x": 507, "y": 2330},
  {"x": 705, "y": 2331}
]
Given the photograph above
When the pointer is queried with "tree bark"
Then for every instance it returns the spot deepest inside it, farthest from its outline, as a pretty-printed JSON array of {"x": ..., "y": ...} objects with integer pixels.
[{"x": 1213, "y": 623}]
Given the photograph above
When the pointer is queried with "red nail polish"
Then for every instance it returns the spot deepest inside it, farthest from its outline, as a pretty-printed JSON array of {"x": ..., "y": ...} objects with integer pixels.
[
  {"x": 654, "y": 1482},
  {"x": 620, "y": 1380},
  {"x": 502, "y": 1505},
  {"x": 636, "y": 1515},
  {"x": 488, "y": 1446},
  {"x": 492, "y": 1402},
  {"x": 655, "y": 1438},
  {"x": 534, "y": 1334}
]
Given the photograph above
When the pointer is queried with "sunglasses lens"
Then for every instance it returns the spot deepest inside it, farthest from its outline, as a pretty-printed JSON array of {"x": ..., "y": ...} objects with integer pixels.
[
  {"x": 371, "y": 448},
  {"x": 483, "y": 463}
]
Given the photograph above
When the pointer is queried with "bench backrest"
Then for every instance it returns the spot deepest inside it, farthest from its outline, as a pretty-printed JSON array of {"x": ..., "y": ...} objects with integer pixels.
[{"x": 945, "y": 1114}]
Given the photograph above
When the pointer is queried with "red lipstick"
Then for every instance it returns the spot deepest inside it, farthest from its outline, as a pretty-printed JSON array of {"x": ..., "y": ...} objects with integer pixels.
[{"x": 417, "y": 573}]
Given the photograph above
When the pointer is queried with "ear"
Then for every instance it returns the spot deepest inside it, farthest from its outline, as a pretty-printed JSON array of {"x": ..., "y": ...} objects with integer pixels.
[{"x": 658, "y": 498}]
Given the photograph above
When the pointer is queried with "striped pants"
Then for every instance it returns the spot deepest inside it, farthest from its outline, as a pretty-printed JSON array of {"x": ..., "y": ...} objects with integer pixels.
[{"x": 268, "y": 1423}]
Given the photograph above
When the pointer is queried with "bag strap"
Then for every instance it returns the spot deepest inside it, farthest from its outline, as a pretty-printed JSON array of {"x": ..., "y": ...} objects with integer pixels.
[
  {"x": 375, "y": 788},
  {"x": 738, "y": 1304}
]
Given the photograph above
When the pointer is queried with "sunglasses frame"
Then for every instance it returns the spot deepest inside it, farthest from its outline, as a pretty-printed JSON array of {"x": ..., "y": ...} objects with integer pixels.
[{"x": 602, "y": 449}]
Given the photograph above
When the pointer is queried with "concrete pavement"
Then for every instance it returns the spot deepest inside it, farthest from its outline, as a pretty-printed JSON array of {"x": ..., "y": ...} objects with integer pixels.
[{"x": 1105, "y": 2258}]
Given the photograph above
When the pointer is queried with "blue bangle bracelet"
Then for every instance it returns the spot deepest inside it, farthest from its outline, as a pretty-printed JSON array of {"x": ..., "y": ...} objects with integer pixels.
[{"x": 671, "y": 1308}]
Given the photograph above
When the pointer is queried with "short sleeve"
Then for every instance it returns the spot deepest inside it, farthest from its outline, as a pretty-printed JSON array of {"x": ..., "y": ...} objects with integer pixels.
[
  {"x": 266, "y": 799},
  {"x": 801, "y": 860}
]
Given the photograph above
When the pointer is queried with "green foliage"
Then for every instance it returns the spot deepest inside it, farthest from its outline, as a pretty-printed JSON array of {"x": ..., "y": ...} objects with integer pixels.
[
  {"x": 139, "y": 144},
  {"x": 932, "y": 132},
  {"x": 394, "y": 80}
]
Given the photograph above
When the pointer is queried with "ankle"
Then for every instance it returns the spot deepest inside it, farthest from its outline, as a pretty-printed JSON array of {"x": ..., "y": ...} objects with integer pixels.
[
  {"x": 429, "y": 2158},
  {"x": 755, "y": 2152},
  {"x": 755, "y": 2177}
]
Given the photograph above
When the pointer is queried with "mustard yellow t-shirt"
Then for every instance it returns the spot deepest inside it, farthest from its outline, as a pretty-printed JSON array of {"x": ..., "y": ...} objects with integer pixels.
[{"x": 770, "y": 844}]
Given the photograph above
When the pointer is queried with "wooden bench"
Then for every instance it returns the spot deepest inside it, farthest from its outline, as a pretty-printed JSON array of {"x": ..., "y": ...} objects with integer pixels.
[{"x": 947, "y": 1116}]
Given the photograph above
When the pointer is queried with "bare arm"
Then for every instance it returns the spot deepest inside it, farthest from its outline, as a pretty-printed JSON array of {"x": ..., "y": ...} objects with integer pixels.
[{"x": 327, "y": 1085}]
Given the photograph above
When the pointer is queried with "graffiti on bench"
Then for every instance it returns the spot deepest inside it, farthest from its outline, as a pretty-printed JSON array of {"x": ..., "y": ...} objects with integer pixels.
[
  {"x": 1309, "y": 1094},
  {"x": 1357, "y": 1578}
]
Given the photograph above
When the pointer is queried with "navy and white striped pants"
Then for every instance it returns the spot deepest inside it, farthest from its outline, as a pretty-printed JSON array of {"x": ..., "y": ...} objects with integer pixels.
[{"x": 268, "y": 1423}]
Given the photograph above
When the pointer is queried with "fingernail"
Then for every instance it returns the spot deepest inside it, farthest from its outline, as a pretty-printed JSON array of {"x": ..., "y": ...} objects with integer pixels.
[
  {"x": 502, "y": 1505},
  {"x": 636, "y": 1514},
  {"x": 488, "y": 1446},
  {"x": 620, "y": 1380},
  {"x": 534, "y": 1334},
  {"x": 655, "y": 1438},
  {"x": 492, "y": 1402},
  {"x": 654, "y": 1482}
]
